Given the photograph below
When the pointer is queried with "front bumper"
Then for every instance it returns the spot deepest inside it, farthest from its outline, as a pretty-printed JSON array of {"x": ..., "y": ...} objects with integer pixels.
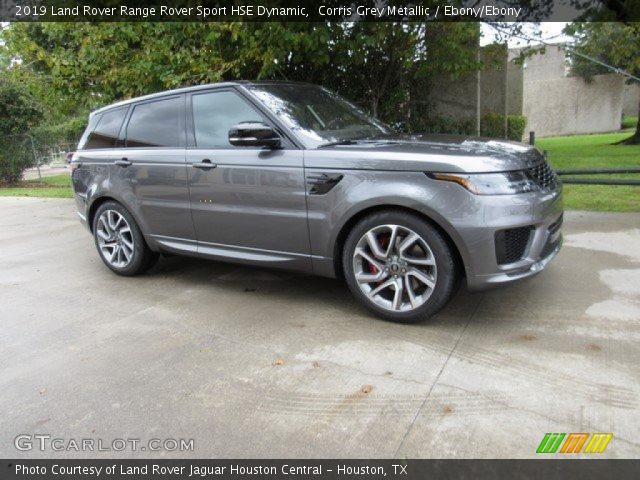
[{"x": 540, "y": 214}]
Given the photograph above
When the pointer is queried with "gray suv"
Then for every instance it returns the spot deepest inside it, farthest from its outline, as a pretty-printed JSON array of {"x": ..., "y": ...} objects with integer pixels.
[{"x": 290, "y": 175}]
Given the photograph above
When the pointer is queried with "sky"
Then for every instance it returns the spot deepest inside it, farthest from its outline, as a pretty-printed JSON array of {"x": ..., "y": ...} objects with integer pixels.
[{"x": 547, "y": 31}]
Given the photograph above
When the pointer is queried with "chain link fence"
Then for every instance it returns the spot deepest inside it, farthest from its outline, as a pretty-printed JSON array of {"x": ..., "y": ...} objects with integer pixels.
[{"x": 22, "y": 152}]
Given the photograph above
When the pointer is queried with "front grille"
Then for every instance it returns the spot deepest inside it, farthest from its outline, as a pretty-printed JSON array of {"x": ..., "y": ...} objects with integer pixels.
[
  {"x": 543, "y": 175},
  {"x": 511, "y": 244}
]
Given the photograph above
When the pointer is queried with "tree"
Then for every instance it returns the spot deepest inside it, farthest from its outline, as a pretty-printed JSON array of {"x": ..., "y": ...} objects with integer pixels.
[
  {"x": 381, "y": 66},
  {"x": 613, "y": 43}
]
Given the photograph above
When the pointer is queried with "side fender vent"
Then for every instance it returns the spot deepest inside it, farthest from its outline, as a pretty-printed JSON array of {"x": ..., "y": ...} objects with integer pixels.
[{"x": 321, "y": 183}]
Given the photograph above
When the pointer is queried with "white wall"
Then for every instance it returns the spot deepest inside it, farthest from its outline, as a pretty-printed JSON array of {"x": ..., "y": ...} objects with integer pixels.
[
  {"x": 564, "y": 106},
  {"x": 631, "y": 99}
]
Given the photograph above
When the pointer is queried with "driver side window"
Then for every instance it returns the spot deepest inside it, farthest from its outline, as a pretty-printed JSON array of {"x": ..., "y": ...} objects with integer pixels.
[{"x": 214, "y": 113}]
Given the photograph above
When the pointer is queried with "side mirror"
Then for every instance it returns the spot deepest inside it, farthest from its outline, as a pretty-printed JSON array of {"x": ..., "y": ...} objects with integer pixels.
[{"x": 253, "y": 134}]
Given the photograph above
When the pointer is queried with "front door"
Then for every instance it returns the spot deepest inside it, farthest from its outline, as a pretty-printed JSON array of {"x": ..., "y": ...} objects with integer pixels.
[{"x": 246, "y": 203}]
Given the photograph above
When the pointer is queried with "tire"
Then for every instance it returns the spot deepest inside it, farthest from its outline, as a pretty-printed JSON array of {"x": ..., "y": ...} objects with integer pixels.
[
  {"x": 120, "y": 242},
  {"x": 420, "y": 266}
]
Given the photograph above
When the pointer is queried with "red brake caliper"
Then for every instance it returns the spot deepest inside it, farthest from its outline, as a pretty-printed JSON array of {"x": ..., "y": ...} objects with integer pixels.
[{"x": 383, "y": 240}]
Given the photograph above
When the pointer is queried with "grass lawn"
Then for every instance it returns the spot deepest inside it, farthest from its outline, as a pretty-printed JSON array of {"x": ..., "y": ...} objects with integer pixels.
[
  {"x": 596, "y": 151},
  {"x": 55, "y": 186},
  {"x": 629, "y": 122}
]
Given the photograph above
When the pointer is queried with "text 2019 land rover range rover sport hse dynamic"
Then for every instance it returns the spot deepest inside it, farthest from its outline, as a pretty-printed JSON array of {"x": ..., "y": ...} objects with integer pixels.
[{"x": 290, "y": 175}]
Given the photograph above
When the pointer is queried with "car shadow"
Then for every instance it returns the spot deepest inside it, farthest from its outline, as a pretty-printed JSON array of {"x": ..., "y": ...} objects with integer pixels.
[{"x": 287, "y": 286}]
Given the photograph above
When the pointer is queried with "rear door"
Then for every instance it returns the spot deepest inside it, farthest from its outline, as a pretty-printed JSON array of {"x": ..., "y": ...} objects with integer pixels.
[
  {"x": 247, "y": 203},
  {"x": 152, "y": 171}
]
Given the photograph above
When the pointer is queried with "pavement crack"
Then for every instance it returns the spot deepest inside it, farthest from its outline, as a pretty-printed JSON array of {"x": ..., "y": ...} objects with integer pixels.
[
  {"x": 435, "y": 381},
  {"x": 369, "y": 374}
]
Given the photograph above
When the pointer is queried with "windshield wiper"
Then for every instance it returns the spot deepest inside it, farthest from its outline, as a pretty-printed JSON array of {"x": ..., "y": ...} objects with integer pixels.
[
  {"x": 353, "y": 141},
  {"x": 348, "y": 141}
]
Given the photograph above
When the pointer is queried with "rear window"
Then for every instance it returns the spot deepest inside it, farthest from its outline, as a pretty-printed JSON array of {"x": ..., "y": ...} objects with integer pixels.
[
  {"x": 156, "y": 124},
  {"x": 105, "y": 133}
]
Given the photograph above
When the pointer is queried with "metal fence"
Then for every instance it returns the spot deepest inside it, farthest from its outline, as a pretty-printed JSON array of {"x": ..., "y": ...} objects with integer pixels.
[
  {"x": 32, "y": 152},
  {"x": 571, "y": 176}
]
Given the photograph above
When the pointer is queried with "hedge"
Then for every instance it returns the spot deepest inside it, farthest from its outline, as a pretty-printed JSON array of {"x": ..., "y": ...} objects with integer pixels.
[{"x": 491, "y": 125}]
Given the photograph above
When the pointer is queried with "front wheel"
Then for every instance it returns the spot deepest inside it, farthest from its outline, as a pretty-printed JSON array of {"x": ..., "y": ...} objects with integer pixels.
[
  {"x": 120, "y": 242},
  {"x": 399, "y": 266}
]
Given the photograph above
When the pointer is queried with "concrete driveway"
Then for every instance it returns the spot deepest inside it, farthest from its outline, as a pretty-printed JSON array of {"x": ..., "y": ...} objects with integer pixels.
[{"x": 256, "y": 363}]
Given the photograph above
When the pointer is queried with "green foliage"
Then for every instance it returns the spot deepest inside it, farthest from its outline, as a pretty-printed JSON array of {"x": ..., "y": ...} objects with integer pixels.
[
  {"x": 68, "y": 131},
  {"x": 492, "y": 125},
  {"x": 19, "y": 111},
  {"x": 448, "y": 125},
  {"x": 384, "y": 67},
  {"x": 629, "y": 122},
  {"x": 612, "y": 43}
]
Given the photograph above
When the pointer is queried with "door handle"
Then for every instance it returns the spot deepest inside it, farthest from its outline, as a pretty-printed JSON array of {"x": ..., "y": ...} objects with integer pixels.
[
  {"x": 204, "y": 165},
  {"x": 123, "y": 162}
]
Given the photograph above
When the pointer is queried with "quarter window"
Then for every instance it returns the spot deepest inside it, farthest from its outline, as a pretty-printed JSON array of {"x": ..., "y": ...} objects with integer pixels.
[
  {"x": 215, "y": 113},
  {"x": 105, "y": 135},
  {"x": 156, "y": 124}
]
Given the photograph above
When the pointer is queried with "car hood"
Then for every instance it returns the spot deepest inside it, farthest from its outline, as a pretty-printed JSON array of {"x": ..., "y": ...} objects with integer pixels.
[{"x": 429, "y": 153}]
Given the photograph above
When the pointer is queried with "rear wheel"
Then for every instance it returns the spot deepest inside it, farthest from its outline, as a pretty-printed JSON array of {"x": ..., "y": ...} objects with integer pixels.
[
  {"x": 399, "y": 266},
  {"x": 120, "y": 242}
]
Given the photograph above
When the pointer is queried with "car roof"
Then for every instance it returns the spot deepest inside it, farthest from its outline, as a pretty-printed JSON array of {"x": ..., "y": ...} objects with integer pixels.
[{"x": 194, "y": 88}]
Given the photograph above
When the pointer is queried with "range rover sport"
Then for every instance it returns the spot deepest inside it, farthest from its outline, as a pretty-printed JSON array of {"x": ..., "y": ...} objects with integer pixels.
[{"x": 290, "y": 175}]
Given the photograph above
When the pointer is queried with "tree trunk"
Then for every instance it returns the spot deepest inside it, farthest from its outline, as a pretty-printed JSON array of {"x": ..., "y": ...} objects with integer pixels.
[
  {"x": 635, "y": 139},
  {"x": 637, "y": 134},
  {"x": 374, "y": 106}
]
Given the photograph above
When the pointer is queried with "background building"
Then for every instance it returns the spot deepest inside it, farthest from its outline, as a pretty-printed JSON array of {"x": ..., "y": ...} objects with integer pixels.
[{"x": 540, "y": 88}]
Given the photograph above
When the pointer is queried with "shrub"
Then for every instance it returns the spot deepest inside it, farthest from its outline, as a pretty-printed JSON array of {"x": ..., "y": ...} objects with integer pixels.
[
  {"x": 492, "y": 125},
  {"x": 19, "y": 112},
  {"x": 446, "y": 124},
  {"x": 515, "y": 127},
  {"x": 16, "y": 155}
]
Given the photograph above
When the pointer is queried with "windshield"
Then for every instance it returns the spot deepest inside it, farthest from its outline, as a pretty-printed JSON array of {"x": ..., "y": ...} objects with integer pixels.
[{"x": 317, "y": 115}]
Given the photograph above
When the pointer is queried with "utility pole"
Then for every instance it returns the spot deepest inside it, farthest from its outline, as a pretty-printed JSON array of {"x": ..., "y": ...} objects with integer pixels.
[
  {"x": 506, "y": 90},
  {"x": 478, "y": 92}
]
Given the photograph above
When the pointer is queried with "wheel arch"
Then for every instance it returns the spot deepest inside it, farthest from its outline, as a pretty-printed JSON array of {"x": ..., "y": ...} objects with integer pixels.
[
  {"x": 100, "y": 200},
  {"x": 447, "y": 233}
]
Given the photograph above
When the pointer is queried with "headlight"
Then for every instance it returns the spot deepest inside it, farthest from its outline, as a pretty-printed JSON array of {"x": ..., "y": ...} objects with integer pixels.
[{"x": 503, "y": 183}]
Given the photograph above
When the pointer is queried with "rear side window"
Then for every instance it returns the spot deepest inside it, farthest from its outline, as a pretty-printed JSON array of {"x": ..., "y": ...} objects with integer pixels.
[
  {"x": 156, "y": 124},
  {"x": 215, "y": 113},
  {"x": 105, "y": 133},
  {"x": 93, "y": 121}
]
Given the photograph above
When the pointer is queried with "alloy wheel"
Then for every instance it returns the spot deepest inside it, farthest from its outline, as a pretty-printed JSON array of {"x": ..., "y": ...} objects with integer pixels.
[
  {"x": 394, "y": 267},
  {"x": 115, "y": 239}
]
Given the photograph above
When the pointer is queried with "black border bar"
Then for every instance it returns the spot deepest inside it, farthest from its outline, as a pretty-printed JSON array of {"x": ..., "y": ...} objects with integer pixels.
[
  {"x": 547, "y": 469},
  {"x": 324, "y": 11}
]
